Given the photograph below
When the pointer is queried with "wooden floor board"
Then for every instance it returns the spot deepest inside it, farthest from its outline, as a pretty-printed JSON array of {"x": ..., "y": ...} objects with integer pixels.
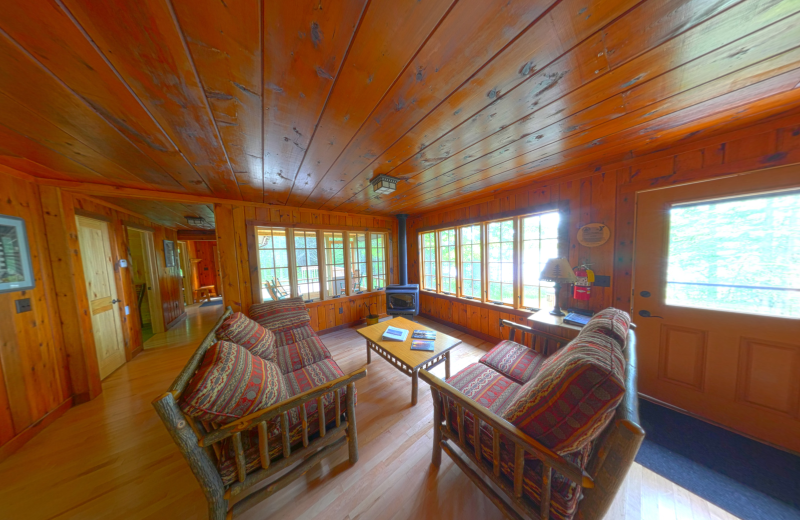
[{"x": 112, "y": 458}]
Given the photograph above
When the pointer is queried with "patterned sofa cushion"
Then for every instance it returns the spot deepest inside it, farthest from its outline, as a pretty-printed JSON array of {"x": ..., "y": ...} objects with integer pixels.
[
  {"x": 610, "y": 322},
  {"x": 495, "y": 391},
  {"x": 231, "y": 383},
  {"x": 573, "y": 395},
  {"x": 298, "y": 382},
  {"x": 280, "y": 315},
  {"x": 517, "y": 362},
  {"x": 295, "y": 356},
  {"x": 243, "y": 331},
  {"x": 294, "y": 335}
]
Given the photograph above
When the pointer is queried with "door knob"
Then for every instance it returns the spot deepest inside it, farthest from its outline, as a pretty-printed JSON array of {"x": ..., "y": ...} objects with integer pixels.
[
  {"x": 646, "y": 314},
  {"x": 115, "y": 301}
]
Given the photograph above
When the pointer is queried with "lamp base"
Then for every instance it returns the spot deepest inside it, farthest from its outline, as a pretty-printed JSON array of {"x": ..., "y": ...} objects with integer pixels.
[
  {"x": 557, "y": 309},
  {"x": 557, "y": 312}
]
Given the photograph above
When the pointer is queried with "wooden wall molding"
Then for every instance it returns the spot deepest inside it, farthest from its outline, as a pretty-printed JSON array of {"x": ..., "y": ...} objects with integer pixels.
[
  {"x": 19, "y": 440},
  {"x": 529, "y": 210}
]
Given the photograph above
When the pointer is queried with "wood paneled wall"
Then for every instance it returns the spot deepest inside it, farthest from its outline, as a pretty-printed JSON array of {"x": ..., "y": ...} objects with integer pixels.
[
  {"x": 207, "y": 267},
  {"x": 35, "y": 385},
  {"x": 47, "y": 356},
  {"x": 239, "y": 263},
  {"x": 607, "y": 195}
]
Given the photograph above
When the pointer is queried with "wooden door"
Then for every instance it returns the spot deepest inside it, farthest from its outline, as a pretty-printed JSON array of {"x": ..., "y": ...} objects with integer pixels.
[
  {"x": 101, "y": 289},
  {"x": 713, "y": 270}
]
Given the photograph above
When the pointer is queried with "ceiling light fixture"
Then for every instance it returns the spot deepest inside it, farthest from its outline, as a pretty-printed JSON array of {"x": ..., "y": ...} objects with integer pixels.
[
  {"x": 198, "y": 222},
  {"x": 383, "y": 184}
]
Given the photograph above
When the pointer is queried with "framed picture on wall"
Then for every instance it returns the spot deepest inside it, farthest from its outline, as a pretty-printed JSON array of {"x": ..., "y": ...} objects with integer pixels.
[
  {"x": 16, "y": 271},
  {"x": 169, "y": 253}
]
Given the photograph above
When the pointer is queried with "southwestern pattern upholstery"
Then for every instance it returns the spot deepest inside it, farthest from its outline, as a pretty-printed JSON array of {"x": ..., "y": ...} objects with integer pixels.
[
  {"x": 243, "y": 331},
  {"x": 280, "y": 315},
  {"x": 518, "y": 362},
  {"x": 564, "y": 401},
  {"x": 298, "y": 382},
  {"x": 303, "y": 353},
  {"x": 294, "y": 335},
  {"x": 231, "y": 383},
  {"x": 573, "y": 396}
]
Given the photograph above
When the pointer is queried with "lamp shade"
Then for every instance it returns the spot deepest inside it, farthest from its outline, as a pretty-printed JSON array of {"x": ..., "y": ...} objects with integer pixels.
[{"x": 558, "y": 270}]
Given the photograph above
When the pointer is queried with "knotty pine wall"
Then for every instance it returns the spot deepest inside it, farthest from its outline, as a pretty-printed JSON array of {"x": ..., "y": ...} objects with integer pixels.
[
  {"x": 239, "y": 263},
  {"x": 47, "y": 356},
  {"x": 207, "y": 267},
  {"x": 607, "y": 195}
]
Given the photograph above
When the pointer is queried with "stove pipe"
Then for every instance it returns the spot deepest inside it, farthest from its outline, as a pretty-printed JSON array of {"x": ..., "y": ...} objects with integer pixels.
[{"x": 402, "y": 246}]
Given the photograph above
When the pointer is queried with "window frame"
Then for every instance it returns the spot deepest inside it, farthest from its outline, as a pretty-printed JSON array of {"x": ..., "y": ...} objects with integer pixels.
[
  {"x": 516, "y": 218},
  {"x": 321, "y": 260}
]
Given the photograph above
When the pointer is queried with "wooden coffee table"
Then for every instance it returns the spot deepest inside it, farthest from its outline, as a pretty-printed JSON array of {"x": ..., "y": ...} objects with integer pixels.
[{"x": 399, "y": 353}]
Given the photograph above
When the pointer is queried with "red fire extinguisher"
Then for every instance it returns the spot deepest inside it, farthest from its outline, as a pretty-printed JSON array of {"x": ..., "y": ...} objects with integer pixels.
[{"x": 582, "y": 289}]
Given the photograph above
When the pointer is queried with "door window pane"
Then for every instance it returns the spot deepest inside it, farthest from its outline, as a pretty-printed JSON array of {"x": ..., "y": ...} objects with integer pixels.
[
  {"x": 306, "y": 264},
  {"x": 358, "y": 259},
  {"x": 447, "y": 250},
  {"x": 539, "y": 243},
  {"x": 378, "y": 253},
  {"x": 334, "y": 263},
  {"x": 738, "y": 255},
  {"x": 273, "y": 260},
  {"x": 500, "y": 265},
  {"x": 428, "y": 261},
  {"x": 471, "y": 257}
]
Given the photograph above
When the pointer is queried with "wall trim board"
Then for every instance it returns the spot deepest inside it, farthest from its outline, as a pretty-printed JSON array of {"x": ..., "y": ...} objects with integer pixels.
[
  {"x": 478, "y": 334},
  {"x": 561, "y": 206},
  {"x": 362, "y": 296},
  {"x": 113, "y": 206},
  {"x": 92, "y": 215},
  {"x": 313, "y": 227},
  {"x": 174, "y": 322},
  {"x": 19, "y": 440},
  {"x": 139, "y": 227},
  {"x": 522, "y": 313},
  {"x": 192, "y": 235}
]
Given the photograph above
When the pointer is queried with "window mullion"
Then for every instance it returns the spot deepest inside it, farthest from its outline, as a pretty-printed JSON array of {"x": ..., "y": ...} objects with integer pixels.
[
  {"x": 369, "y": 261},
  {"x": 484, "y": 263},
  {"x": 321, "y": 265},
  {"x": 348, "y": 266},
  {"x": 459, "y": 270},
  {"x": 438, "y": 256},
  {"x": 517, "y": 271},
  {"x": 292, "y": 262}
]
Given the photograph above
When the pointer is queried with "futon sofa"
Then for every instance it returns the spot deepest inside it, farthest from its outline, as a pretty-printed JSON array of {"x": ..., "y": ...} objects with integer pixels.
[
  {"x": 557, "y": 434},
  {"x": 261, "y": 394}
]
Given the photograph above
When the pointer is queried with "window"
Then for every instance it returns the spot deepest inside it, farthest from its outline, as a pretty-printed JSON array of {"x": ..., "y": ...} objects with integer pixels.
[
  {"x": 334, "y": 263},
  {"x": 378, "y": 252},
  {"x": 493, "y": 261},
  {"x": 429, "y": 261},
  {"x": 539, "y": 243},
  {"x": 273, "y": 260},
  {"x": 358, "y": 261},
  {"x": 500, "y": 264},
  {"x": 471, "y": 256},
  {"x": 447, "y": 256},
  {"x": 737, "y": 255},
  {"x": 306, "y": 264}
]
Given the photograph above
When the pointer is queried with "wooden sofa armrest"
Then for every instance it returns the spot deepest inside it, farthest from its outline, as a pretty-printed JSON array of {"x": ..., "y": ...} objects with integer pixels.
[
  {"x": 262, "y": 416},
  {"x": 522, "y": 440},
  {"x": 533, "y": 332}
]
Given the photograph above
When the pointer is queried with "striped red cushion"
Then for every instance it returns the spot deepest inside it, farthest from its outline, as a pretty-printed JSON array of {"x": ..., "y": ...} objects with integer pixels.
[
  {"x": 243, "y": 331},
  {"x": 231, "y": 383},
  {"x": 280, "y": 315},
  {"x": 573, "y": 395},
  {"x": 515, "y": 361},
  {"x": 301, "y": 354},
  {"x": 610, "y": 322}
]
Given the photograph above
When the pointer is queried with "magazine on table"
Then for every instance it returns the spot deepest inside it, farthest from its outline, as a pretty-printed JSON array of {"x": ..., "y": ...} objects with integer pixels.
[
  {"x": 395, "y": 334},
  {"x": 424, "y": 334},
  {"x": 422, "y": 344}
]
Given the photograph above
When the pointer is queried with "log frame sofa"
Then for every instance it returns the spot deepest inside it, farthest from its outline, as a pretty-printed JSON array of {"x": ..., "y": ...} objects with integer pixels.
[
  {"x": 202, "y": 443},
  {"x": 609, "y": 457}
]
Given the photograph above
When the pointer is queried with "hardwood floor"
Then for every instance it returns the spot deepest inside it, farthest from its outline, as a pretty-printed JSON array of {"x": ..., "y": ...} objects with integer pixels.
[{"x": 112, "y": 457}]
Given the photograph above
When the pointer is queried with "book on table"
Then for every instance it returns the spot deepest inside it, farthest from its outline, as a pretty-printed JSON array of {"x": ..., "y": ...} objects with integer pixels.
[
  {"x": 424, "y": 334},
  {"x": 422, "y": 344},
  {"x": 394, "y": 334},
  {"x": 576, "y": 319}
]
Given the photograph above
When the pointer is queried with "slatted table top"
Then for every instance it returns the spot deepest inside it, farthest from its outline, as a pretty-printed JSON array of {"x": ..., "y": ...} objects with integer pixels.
[{"x": 402, "y": 349}]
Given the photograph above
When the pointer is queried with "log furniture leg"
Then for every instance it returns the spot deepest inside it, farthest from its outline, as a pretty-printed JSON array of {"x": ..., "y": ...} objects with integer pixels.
[
  {"x": 369, "y": 355},
  {"x": 352, "y": 438},
  {"x": 436, "y": 457},
  {"x": 447, "y": 365},
  {"x": 414, "y": 386}
]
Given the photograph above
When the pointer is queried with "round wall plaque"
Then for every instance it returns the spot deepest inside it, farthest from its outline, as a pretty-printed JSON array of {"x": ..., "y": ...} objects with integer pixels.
[{"x": 593, "y": 235}]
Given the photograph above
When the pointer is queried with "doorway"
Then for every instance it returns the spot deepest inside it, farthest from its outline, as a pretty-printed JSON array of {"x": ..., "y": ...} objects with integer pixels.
[
  {"x": 144, "y": 275},
  {"x": 101, "y": 290},
  {"x": 186, "y": 273},
  {"x": 717, "y": 301}
]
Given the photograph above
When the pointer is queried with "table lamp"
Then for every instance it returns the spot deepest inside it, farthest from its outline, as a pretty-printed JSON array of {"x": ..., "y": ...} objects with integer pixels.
[{"x": 559, "y": 271}]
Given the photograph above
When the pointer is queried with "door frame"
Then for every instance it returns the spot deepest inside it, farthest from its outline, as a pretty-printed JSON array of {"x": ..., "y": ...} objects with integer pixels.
[
  {"x": 151, "y": 278},
  {"x": 188, "y": 293}
]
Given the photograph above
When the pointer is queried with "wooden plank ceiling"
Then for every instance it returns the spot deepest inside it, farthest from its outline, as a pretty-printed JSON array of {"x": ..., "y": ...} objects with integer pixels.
[{"x": 301, "y": 103}]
